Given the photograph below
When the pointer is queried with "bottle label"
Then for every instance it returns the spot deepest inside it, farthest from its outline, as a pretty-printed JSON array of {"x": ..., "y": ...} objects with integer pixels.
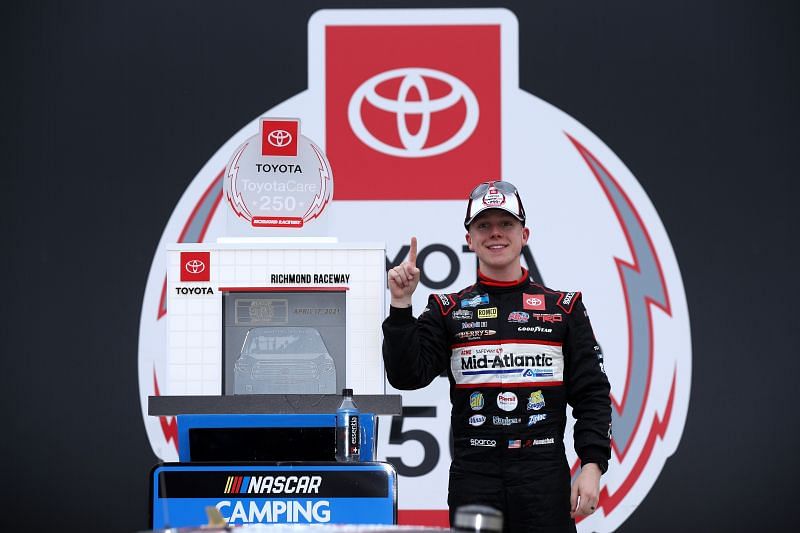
[{"x": 353, "y": 435}]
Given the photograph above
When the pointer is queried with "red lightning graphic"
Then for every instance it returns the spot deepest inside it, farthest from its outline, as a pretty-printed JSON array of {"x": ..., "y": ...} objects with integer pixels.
[
  {"x": 650, "y": 293},
  {"x": 234, "y": 196},
  {"x": 324, "y": 194},
  {"x": 192, "y": 231},
  {"x": 168, "y": 424}
]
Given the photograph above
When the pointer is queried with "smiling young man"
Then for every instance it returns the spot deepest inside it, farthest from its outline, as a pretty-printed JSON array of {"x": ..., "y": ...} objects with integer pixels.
[{"x": 516, "y": 353}]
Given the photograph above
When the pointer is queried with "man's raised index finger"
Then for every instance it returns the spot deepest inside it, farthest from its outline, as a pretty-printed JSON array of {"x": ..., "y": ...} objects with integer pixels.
[{"x": 412, "y": 253}]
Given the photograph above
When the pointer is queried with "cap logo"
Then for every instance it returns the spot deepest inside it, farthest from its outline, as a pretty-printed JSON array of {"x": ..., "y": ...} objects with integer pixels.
[{"x": 493, "y": 198}]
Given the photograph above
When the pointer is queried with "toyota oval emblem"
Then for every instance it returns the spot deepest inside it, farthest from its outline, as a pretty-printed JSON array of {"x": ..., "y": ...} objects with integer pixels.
[
  {"x": 279, "y": 138},
  {"x": 195, "y": 266},
  {"x": 414, "y": 144},
  {"x": 534, "y": 301}
]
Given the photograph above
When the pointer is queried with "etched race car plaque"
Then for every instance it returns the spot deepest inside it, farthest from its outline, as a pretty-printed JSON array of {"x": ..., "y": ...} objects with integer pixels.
[
  {"x": 284, "y": 342},
  {"x": 262, "y": 311}
]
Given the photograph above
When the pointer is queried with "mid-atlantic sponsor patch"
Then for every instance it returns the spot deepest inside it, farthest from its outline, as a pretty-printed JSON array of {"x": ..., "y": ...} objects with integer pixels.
[
  {"x": 475, "y": 301},
  {"x": 534, "y": 364}
]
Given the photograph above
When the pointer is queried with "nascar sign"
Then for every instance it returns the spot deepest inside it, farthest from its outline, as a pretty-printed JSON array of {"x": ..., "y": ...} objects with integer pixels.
[
  {"x": 430, "y": 108},
  {"x": 363, "y": 493}
]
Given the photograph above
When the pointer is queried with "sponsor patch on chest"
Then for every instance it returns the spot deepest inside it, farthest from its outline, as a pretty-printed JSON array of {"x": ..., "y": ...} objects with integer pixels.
[{"x": 520, "y": 364}]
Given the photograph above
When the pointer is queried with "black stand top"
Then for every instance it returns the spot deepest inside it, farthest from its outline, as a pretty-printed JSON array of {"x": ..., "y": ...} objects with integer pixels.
[{"x": 379, "y": 404}]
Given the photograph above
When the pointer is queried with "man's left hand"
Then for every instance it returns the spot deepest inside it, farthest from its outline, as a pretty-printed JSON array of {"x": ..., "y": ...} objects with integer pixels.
[{"x": 585, "y": 491}]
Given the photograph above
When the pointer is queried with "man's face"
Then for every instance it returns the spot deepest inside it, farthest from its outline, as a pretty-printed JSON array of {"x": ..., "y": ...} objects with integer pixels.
[{"x": 497, "y": 239}]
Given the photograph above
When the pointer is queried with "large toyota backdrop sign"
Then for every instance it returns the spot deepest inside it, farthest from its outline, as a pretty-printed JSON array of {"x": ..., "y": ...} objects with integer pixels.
[{"x": 413, "y": 107}]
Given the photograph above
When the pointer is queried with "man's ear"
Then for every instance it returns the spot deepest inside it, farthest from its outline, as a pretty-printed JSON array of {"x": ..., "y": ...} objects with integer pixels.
[
  {"x": 526, "y": 233},
  {"x": 469, "y": 241}
]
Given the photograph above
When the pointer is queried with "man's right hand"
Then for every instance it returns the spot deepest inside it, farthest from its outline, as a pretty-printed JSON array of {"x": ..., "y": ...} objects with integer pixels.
[{"x": 403, "y": 278}]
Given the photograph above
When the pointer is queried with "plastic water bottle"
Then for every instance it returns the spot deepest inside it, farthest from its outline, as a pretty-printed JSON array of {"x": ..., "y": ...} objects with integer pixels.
[{"x": 348, "y": 432}]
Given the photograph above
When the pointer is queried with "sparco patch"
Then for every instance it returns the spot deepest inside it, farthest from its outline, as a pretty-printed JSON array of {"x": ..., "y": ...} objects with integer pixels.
[
  {"x": 568, "y": 300},
  {"x": 446, "y": 302}
]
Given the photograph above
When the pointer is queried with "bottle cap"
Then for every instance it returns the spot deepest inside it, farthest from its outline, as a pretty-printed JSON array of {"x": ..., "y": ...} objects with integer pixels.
[
  {"x": 347, "y": 392},
  {"x": 478, "y": 518}
]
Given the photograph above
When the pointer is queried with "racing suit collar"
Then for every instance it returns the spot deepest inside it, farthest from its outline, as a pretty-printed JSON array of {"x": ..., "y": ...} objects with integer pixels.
[{"x": 493, "y": 283}]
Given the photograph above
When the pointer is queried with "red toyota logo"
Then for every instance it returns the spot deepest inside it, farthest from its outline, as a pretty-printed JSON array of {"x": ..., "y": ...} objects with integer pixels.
[
  {"x": 421, "y": 101},
  {"x": 279, "y": 138},
  {"x": 195, "y": 266},
  {"x": 413, "y": 81},
  {"x": 534, "y": 302}
]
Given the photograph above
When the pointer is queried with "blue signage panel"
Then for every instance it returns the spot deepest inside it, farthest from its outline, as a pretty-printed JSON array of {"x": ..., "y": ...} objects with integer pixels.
[
  {"x": 266, "y": 437},
  {"x": 302, "y": 493}
]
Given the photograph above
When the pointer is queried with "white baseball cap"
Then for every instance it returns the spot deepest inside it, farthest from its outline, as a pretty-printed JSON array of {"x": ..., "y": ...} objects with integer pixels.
[{"x": 494, "y": 195}]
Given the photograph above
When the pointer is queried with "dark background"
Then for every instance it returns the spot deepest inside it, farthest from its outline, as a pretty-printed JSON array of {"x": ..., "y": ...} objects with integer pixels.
[{"x": 110, "y": 109}]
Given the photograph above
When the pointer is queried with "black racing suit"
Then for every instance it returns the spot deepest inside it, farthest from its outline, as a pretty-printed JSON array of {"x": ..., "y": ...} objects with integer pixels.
[{"x": 515, "y": 354}]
